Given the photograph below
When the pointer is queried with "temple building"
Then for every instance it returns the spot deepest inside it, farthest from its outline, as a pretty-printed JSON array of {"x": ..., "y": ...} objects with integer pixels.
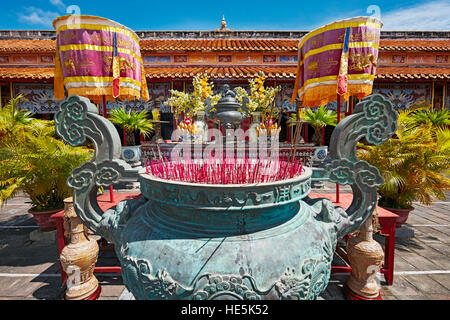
[{"x": 412, "y": 65}]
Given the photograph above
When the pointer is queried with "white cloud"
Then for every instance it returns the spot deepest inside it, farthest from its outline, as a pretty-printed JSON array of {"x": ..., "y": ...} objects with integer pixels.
[
  {"x": 431, "y": 16},
  {"x": 38, "y": 16},
  {"x": 59, "y": 4}
]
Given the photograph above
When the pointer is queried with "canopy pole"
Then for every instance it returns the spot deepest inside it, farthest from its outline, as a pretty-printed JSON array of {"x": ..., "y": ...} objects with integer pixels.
[
  {"x": 111, "y": 189},
  {"x": 296, "y": 136}
]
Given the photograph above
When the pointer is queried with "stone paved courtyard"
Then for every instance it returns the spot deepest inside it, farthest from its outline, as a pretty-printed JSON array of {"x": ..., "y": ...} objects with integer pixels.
[{"x": 29, "y": 265}]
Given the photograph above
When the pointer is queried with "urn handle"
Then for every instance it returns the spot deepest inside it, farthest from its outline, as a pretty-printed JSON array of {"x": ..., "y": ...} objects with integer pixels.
[
  {"x": 77, "y": 121},
  {"x": 374, "y": 120}
]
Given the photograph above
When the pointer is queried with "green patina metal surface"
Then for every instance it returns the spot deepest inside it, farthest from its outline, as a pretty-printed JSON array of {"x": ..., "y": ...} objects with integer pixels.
[{"x": 192, "y": 241}]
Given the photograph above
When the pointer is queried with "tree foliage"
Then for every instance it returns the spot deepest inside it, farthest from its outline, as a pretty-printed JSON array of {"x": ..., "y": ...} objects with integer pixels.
[
  {"x": 415, "y": 162},
  {"x": 33, "y": 160}
]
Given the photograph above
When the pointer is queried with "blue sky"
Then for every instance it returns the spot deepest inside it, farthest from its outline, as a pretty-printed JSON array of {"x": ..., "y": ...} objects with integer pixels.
[{"x": 240, "y": 14}]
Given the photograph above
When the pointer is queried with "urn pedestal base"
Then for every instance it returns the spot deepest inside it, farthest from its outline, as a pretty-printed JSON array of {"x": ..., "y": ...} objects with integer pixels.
[
  {"x": 96, "y": 294},
  {"x": 366, "y": 256},
  {"x": 350, "y": 295},
  {"x": 87, "y": 291},
  {"x": 93, "y": 296}
]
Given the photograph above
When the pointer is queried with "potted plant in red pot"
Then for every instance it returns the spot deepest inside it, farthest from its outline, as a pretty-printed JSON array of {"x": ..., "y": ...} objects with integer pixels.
[
  {"x": 414, "y": 164},
  {"x": 33, "y": 161}
]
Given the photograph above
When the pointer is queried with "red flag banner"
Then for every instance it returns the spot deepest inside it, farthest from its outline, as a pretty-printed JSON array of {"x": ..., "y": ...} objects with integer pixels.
[
  {"x": 116, "y": 70},
  {"x": 343, "y": 69},
  {"x": 320, "y": 53}
]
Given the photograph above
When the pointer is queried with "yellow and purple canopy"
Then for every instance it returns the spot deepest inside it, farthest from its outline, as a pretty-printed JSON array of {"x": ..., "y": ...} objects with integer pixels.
[
  {"x": 97, "y": 58},
  {"x": 320, "y": 63}
]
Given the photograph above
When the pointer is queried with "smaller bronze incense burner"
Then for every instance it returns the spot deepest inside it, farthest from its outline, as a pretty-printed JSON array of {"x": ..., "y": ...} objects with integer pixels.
[{"x": 227, "y": 109}]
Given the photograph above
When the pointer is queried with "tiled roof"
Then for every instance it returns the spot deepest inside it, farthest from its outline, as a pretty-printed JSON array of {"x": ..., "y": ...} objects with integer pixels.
[
  {"x": 245, "y": 72},
  {"x": 27, "y": 73},
  {"x": 162, "y": 73},
  {"x": 184, "y": 45},
  {"x": 221, "y": 72},
  {"x": 414, "y": 45},
  {"x": 286, "y": 72},
  {"x": 399, "y": 73},
  {"x": 179, "y": 45},
  {"x": 28, "y": 46},
  {"x": 217, "y": 45},
  {"x": 277, "y": 45}
]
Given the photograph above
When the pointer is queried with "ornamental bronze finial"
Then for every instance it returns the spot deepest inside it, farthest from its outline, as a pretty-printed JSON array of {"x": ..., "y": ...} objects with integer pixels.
[{"x": 223, "y": 25}]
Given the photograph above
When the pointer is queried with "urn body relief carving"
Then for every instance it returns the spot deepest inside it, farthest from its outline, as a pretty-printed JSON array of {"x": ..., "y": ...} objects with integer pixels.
[{"x": 252, "y": 241}]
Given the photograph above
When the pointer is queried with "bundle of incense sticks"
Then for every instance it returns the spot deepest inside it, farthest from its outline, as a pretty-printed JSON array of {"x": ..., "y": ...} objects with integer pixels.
[{"x": 225, "y": 171}]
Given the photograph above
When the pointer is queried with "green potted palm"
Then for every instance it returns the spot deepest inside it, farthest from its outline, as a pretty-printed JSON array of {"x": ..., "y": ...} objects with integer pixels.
[
  {"x": 319, "y": 119},
  {"x": 131, "y": 122},
  {"x": 414, "y": 164},
  {"x": 34, "y": 161}
]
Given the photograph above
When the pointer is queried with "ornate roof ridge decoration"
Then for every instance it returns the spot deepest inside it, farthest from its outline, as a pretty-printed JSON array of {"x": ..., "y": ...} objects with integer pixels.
[
  {"x": 223, "y": 25},
  {"x": 28, "y": 34},
  {"x": 281, "y": 34}
]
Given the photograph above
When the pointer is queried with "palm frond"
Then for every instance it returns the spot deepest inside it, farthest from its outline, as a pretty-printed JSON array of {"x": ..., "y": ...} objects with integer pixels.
[
  {"x": 40, "y": 167},
  {"x": 132, "y": 121},
  {"x": 414, "y": 164},
  {"x": 321, "y": 117}
]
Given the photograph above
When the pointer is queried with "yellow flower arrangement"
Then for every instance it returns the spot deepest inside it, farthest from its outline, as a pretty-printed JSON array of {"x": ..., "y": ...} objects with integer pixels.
[
  {"x": 192, "y": 103},
  {"x": 261, "y": 99}
]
